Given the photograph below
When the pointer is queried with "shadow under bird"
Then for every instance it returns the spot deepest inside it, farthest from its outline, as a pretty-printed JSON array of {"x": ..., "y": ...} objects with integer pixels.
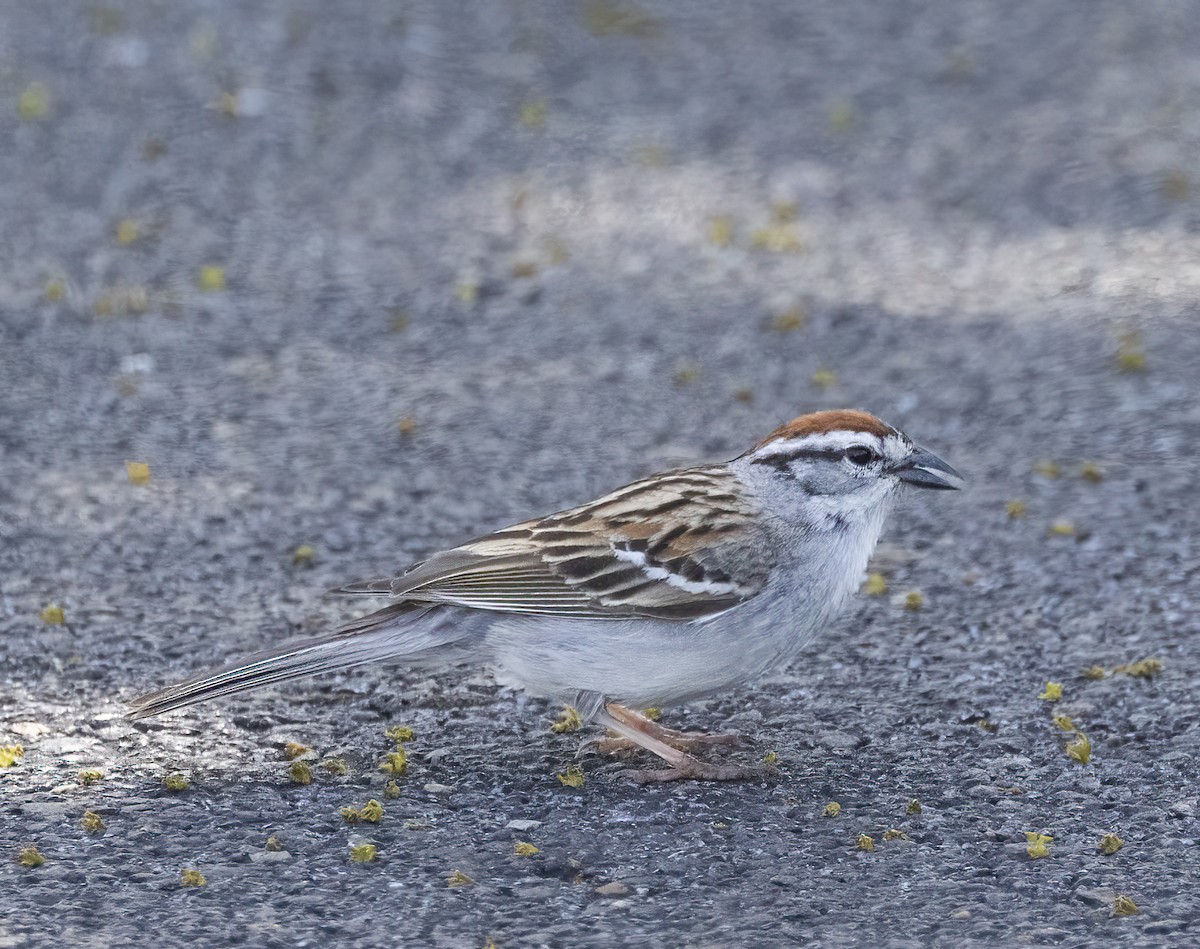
[{"x": 670, "y": 589}]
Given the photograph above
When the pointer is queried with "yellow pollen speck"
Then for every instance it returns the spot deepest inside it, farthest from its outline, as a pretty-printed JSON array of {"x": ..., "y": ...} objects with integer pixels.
[
  {"x": 1080, "y": 749},
  {"x": 793, "y": 318},
  {"x": 1052, "y": 692},
  {"x": 30, "y": 856},
  {"x": 1036, "y": 845},
  {"x": 302, "y": 556},
  {"x": 1124, "y": 906},
  {"x": 138, "y": 472},
  {"x": 1048, "y": 469},
  {"x": 875, "y": 585},
  {"x": 363, "y": 853},
  {"x": 823, "y": 379},
  {"x": 10, "y": 755},
  {"x": 394, "y": 762},
  {"x": 55, "y": 290},
  {"x": 33, "y": 102},
  {"x": 720, "y": 230},
  {"x": 52, "y": 615},
  {"x": 127, "y": 231},
  {"x": 533, "y": 113},
  {"x": 211, "y": 278},
  {"x": 176, "y": 782},
  {"x": 1110, "y": 844},
  {"x": 568, "y": 721},
  {"x": 571, "y": 778},
  {"x": 406, "y": 425},
  {"x": 1062, "y": 529}
]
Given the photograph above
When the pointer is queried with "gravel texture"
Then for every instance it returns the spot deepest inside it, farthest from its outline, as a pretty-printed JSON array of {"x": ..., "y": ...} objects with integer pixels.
[{"x": 375, "y": 277}]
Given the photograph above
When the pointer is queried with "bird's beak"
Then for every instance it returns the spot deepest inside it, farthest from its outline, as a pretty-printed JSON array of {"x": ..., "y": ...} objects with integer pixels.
[{"x": 926, "y": 470}]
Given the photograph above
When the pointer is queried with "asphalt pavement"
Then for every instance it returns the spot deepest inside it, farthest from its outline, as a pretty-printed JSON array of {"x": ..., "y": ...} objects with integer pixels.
[{"x": 356, "y": 281}]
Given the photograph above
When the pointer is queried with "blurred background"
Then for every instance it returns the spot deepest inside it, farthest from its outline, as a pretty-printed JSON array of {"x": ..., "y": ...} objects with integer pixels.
[{"x": 297, "y": 292}]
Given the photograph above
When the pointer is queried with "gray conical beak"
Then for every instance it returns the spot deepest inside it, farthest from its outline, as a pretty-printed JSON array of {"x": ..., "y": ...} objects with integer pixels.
[{"x": 926, "y": 470}]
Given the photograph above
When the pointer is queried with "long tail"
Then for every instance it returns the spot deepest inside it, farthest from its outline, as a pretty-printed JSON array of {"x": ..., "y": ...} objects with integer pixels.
[{"x": 396, "y": 631}]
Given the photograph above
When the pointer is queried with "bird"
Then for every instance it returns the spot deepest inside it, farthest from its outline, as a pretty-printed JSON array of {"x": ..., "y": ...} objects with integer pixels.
[{"x": 676, "y": 587}]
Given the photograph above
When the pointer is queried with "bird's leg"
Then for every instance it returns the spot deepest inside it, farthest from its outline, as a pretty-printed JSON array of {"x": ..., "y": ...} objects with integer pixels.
[
  {"x": 672, "y": 736},
  {"x": 682, "y": 766}
]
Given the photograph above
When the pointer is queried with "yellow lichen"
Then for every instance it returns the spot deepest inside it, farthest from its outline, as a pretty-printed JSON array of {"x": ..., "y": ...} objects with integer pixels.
[
  {"x": 571, "y": 778},
  {"x": 122, "y": 301},
  {"x": 176, "y": 781},
  {"x": 1052, "y": 692},
  {"x": 90, "y": 776},
  {"x": 273, "y": 844},
  {"x": 336, "y": 766},
  {"x": 1037, "y": 845},
  {"x": 686, "y": 375},
  {"x": 30, "y": 856},
  {"x": 10, "y": 755},
  {"x": 211, "y": 278},
  {"x": 1015, "y": 509},
  {"x": 394, "y": 762},
  {"x": 913, "y": 807},
  {"x": 391, "y": 790},
  {"x": 458, "y": 878},
  {"x": 1094, "y": 672},
  {"x": 363, "y": 853},
  {"x": 894, "y": 833},
  {"x": 1048, "y": 469},
  {"x": 1110, "y": 844},
  {"x": 56, "y": 289},
  {"x": 399, "y": 733},
  {"x": 1062, "y": 528},
  {"x": 568, "y": 721},
  {"x": 770, "y": 759},
  {"x": 138, "y": 472},
  {"x": 1079, "y": 749},
  {"x": 523, "y": 849},
  {"x": 654, "y": 713},
  {"x": 875, "y": 585},
  {"x": 293, "y": 750},
  {"x": 832, "y": 809},
  {"x": 1124, "y": 906},
  {"x": 406, "y": 425},
  {"x": 913, "y": 600},
  {"x": 91, "y": 822},
  {"x": 300, "y": 772},
  {"x": 1062, "y": 722},
  {"x": 841, "y": 116},
  {"x": 865, "y": 842},
  {"x": 823, "y": 379},
  {"x": 190, "y": 877}
]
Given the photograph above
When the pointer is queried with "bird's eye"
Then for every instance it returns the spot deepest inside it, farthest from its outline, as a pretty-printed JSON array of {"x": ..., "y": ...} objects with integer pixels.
[{"x": 861, "y": 455}]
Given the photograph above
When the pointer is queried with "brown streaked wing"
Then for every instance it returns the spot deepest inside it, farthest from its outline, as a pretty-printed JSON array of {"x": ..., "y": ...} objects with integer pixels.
[{"x": 678, "y": 546}]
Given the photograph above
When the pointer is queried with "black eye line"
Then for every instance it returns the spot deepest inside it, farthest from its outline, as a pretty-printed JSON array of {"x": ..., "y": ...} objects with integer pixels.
[{"x": 782, "y": 461}]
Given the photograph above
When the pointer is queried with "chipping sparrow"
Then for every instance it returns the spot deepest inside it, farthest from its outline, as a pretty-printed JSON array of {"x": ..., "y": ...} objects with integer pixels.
[{"x": 666, "y": 590}]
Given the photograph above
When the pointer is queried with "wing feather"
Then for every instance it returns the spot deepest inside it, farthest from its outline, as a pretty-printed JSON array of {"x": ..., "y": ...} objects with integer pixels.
[{"x": 678, "y": 546}]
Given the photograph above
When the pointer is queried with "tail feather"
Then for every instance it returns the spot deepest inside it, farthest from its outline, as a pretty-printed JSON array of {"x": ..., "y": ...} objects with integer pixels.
[{"x": 395, "y": 631}]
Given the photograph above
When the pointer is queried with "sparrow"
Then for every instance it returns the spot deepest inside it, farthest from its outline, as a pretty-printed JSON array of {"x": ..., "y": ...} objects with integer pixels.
[{"x": 673, "y": 588}]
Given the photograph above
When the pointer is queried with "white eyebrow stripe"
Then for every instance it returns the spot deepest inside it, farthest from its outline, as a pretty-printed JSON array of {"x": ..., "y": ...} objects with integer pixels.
[
  {"x": 826, "y": 441},
  {"x": 652, "y": 572}
]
